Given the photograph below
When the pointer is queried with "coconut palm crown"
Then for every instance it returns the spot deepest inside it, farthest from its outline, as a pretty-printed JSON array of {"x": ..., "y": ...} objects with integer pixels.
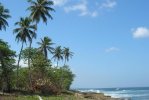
[
  {"x": 67, "y": 54},
  {"x": 25, "y": 30},
  {"x": 57, "y": 54},
  {"x": 45, "y": 46},
  {"x": 40, "y": 10},
  {"x": 4, "y": 15}
]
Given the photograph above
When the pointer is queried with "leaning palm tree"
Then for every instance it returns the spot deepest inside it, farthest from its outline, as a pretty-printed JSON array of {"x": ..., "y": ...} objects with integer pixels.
[
  {"x": 57, "y": 54},
  {"x": 23, "y": 33},
  {"x": 4, "y": 15},
  {"x": 67, "y": 54},
  {"x": 45, "y": 46}
]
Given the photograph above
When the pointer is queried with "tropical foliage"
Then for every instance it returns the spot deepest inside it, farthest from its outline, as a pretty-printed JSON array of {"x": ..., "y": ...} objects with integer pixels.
[{"x": 6, "y": 66}]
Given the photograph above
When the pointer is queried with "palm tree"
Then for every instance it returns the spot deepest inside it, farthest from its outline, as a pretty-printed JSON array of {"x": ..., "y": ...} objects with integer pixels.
[
  {"x": 57, "y": 54},
  {"x": 45, "y": 46},
  {"x": 23, "y": 33},
  {"x": 40, "y": 10},
  {"x": 67, "y": 54},
  {"x": 4, "y": 15}
]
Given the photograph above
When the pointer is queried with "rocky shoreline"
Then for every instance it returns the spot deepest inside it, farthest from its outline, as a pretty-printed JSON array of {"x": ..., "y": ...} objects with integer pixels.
[
  {"x": 75, "y": 95},
  {"x": 95, "y": 96}
]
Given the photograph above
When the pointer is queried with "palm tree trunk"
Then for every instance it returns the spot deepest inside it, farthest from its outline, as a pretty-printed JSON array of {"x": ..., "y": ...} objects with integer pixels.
[
  {"x": 62, "y": 77},
  {"x": 18, "y": 64},
  {"x": 29, "y": 66},
  {"x": 61, "y": 80},
  {"x": 65, "y": 62},
  {"x": 57, "y": 63},
  {"x": 45, "y": 53},
  {"x": 29, "y": 58}
]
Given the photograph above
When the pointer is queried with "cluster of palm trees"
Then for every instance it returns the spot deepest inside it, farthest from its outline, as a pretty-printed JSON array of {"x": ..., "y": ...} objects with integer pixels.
[
  {"x": 27, "y": 28},
  {"x": 58, "y": 53}
]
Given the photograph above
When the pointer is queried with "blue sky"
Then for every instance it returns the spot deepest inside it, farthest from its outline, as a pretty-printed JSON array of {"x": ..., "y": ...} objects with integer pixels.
[{"x": 110, "y": 39}]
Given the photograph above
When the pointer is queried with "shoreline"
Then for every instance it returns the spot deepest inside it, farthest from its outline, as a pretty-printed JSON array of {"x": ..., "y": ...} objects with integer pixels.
[
  {"x": 94, "y": 96},
  {"x": 75, "y": 95}
]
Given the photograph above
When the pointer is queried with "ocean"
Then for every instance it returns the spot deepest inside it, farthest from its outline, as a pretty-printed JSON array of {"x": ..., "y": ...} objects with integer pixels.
[{"x": 133, "y": 93}]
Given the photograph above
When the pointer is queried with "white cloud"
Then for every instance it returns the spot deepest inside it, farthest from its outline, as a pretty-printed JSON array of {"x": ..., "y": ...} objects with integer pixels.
[
  {"x": 112, "y": 49},
  {"x": 94, "y": 14},
  {"x": 85, "y": 7},
  {"x": 82, "y": 8},
  {"x": 60, "y": 2},
  {"x": 109, "y": 4},
  {"x": 141, "y": 32},
  {"x": 22, "y": 63},
  {"x": 78, "y": 7}
]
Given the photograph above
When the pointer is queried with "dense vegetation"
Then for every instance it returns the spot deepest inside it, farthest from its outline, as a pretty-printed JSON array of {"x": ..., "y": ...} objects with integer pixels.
[{"x": 39, "y": 75}]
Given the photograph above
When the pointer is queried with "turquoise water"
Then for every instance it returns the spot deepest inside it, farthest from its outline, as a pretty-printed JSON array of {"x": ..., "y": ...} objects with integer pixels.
[{"x": 139, "y": 93}]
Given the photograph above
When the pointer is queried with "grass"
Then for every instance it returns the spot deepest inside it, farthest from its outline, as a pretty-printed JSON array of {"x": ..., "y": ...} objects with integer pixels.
[
  {"x": 34, "y": 97},
  {"x": 19, "y": 98},
  {"x": 23, "y": 96},
  {"x": 67, "y": 97}
]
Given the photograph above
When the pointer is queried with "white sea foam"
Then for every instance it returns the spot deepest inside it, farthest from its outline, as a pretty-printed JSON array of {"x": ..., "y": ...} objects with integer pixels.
[
  {"x": 121, "y": 93},
  {"x": 90, "y": 90}
]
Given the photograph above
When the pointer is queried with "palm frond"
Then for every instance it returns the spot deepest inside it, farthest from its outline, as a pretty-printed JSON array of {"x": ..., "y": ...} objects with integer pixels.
[
  {"x": 25, "y": 30},
  {"x": 40, "y": 10}
]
